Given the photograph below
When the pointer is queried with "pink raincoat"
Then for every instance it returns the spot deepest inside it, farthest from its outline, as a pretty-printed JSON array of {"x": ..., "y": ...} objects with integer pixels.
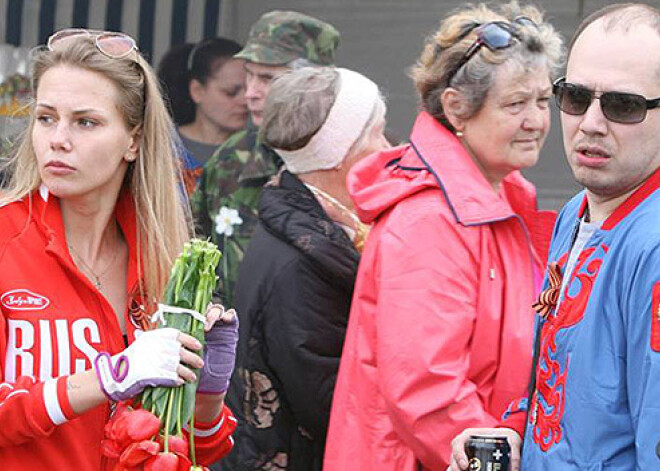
[{"x": 441, "y": 326}]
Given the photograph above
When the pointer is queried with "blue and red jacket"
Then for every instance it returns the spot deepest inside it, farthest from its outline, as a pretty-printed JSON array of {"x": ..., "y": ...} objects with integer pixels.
[{"x": 596, "y": 404}]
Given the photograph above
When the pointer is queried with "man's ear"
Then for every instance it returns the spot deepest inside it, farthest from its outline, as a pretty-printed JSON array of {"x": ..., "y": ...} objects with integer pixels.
[
  {"x": 195, "y": 88},
  {"x": 454, "y": 107}
]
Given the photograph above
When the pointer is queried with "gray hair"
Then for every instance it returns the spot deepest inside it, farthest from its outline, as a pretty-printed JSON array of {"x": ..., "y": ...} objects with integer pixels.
[
  {"x": 536, "y": 46},
  {"x": 298, "y": 104},
  {"x": 300, "y": 63}
]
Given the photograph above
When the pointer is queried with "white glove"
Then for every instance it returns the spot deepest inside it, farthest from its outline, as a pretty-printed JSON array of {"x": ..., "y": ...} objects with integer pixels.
[{"x": 152, "y": 360}]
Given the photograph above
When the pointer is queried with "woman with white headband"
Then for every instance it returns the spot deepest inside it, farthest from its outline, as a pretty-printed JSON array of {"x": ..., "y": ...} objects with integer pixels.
[{"x": 296, "y": 281}]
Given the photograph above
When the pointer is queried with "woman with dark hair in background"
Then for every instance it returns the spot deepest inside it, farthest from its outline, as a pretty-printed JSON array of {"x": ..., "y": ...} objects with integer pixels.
[{"x": 205, "y": 87}]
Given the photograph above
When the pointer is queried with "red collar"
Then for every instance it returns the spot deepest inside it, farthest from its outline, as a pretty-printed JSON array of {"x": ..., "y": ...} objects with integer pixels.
[{"x": 625, "y": 208}]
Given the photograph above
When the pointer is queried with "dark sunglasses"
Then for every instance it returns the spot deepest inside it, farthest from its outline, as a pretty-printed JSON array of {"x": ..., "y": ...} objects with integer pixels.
[
  {"x": 618, "y": 107},
  {"x": 495, "y": 35},
  {"x": 111, "y": 44}
]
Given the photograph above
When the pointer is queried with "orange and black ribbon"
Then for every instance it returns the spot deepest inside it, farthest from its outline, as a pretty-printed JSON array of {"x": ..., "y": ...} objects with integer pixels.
[
  {"x": 139, "y": 309},
  {"x": 548, "y": 298}
]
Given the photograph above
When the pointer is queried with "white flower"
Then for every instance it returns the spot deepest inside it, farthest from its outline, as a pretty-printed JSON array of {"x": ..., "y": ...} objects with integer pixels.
[{"x": 226, "y": 220}]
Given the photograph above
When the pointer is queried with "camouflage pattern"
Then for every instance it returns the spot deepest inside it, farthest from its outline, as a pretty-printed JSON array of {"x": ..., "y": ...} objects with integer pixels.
[
  {"x": 233, "y": 178},
  {"x": 279, "y": 37},
  {"x": 234, "y": 175}
]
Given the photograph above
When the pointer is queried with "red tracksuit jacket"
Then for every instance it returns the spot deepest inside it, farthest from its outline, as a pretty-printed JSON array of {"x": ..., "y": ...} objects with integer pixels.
[{"x": 53, "y": 322}]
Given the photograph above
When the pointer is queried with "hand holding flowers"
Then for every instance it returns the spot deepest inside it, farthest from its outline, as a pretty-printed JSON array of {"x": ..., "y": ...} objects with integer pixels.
[{"x": 156, "y": 358}]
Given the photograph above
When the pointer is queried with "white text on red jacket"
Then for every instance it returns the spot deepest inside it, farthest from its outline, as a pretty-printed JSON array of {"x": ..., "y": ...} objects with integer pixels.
[
  {"x": 24, "y": 300},
  {"x": 51, "y": 347}
]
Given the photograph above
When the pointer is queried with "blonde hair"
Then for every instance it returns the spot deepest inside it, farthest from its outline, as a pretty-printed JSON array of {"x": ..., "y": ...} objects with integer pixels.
[
  {"x": 163, "y": 222},
  {"x": 446, "y": 47}
]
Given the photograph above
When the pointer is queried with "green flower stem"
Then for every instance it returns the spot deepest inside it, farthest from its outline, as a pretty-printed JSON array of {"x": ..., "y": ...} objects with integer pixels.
[
  {"x": 170, "y": 401},
  {"x": 162, "y": 414},
  {"x": 179, "y": 427},
  {"x": 192, "y": 439},
  {"x": 191, "y": 284},
  {"x": 225, "y": 269}
]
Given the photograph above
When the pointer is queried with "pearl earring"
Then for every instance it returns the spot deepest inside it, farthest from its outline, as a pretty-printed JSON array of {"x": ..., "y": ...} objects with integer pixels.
[{"x": 459, "y": 133}]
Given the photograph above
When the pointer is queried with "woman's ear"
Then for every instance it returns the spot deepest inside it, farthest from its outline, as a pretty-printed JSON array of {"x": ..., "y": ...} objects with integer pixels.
[
  {"x": 134, "y": 146},
  {"x": 196, "y": 89},
  {"x": 453, "y": 105}
]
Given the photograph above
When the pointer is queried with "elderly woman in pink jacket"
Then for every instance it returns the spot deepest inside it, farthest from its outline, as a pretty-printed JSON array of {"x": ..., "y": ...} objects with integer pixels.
[{"x": 441, "y": 325}]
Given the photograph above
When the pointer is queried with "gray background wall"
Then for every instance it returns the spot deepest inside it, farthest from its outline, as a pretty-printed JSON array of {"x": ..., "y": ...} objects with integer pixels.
[{"x": 382, "y": 38}]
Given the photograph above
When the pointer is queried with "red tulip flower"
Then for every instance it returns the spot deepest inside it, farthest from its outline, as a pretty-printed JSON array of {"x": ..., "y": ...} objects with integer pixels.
[
  {"x": 138, "y": 425},
  {"x": 137, "y": 453},
  {"x": 111, "y": 449},
  {"x": 163, "y": 462},
  {"x": 176, "y": 444}
]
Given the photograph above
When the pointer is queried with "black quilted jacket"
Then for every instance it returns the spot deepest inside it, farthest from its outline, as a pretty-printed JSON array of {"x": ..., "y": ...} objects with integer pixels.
[{"x": 293, "y": 298}]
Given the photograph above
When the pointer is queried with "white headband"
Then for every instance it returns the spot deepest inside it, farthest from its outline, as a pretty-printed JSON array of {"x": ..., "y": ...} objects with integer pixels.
[{"x": 344, "y": 125}]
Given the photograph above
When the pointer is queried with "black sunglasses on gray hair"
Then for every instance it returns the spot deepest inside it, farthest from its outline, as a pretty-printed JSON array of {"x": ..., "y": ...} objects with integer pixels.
[{"x": 495, "y": 35}]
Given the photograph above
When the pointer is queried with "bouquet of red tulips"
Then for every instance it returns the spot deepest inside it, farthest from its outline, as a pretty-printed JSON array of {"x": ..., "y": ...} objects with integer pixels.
[{"x": 151, "y": 437}]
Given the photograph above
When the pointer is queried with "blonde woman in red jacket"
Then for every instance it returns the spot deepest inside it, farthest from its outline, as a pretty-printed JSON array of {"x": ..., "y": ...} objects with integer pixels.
[
  {"x": 92, "y": 220},
  {"x": 441, "y": 324}
]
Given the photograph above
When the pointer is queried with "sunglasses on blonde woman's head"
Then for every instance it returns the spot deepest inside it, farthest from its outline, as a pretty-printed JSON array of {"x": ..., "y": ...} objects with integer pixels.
[
  {"x": 111, "y": 44},
  {"x": 495, "y": 35},
  {"x": 618, "y": 107}
]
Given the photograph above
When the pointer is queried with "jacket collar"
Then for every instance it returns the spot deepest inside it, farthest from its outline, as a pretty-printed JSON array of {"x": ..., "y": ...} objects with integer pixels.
[
  {"x": 290, "y": 212},
  {"x": 469, "y": 194},
  {"x": 49, "y": 216},
  {"x": 262, "y": 162},
  {"x": 625, "y": 208}
]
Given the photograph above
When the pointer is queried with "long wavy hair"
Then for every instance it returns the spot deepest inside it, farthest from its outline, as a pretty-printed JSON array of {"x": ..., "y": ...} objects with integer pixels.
[{"x": 163, "y": 221}]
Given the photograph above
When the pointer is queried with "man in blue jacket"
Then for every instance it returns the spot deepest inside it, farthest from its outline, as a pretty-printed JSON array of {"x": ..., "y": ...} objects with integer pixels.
[{"x": 595, "y": 395}]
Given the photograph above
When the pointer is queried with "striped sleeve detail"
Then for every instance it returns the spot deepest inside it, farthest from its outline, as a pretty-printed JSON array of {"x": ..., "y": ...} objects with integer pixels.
[
  {"x": 207, "y": 432},
  {"x": 31, "y": 409},
  {"x": 56, "y": 401},
  {"x": 213, "y": 439},
  {"x": 52, "y": 404},
  {"x": 220, "y": 429}
]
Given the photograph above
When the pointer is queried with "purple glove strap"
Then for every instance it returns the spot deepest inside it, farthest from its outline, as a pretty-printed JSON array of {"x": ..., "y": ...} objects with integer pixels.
[
  {"x": 112, "y": 376},
  {"x": 219, "y": 357}
]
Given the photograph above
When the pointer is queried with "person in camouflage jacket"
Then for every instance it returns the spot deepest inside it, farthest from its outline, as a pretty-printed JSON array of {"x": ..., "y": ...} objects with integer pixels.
[{"x": 225, "y": 202}]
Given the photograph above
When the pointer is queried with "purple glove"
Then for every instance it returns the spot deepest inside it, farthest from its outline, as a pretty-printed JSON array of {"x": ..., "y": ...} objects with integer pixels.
[
  {"x": 219, "y": 355},
  {"x": 152, "y": 360}
]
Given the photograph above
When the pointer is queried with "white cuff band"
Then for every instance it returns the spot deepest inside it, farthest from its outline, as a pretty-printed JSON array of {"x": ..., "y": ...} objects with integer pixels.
[{"x": 52, "y": 402}]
